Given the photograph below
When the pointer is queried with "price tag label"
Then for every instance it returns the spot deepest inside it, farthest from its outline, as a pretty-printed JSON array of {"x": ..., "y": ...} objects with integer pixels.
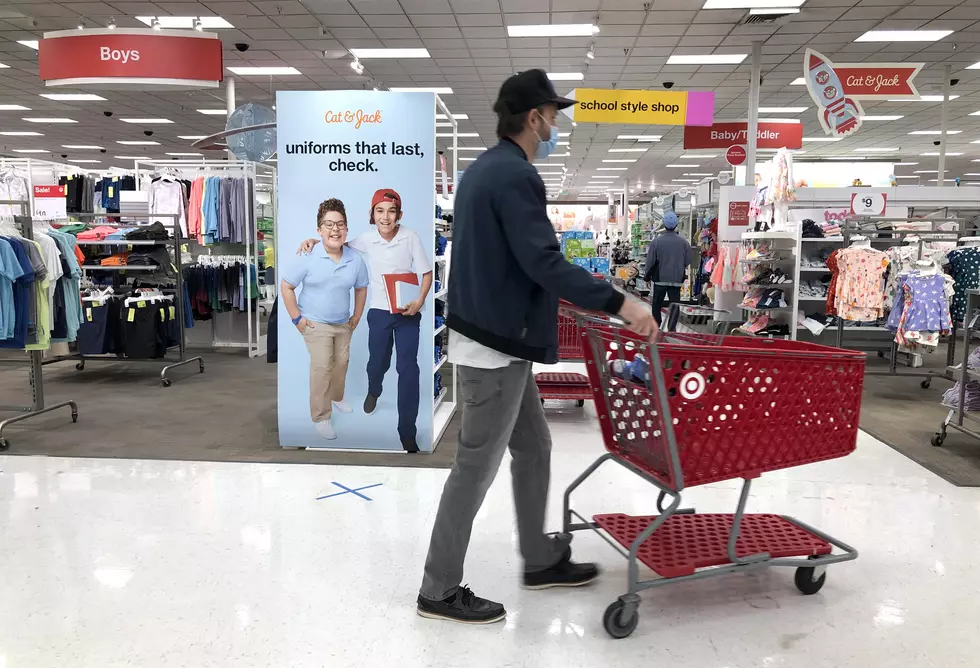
[
  {"x": 50, "y": 203},
  {"x": 868, "y": 203}
]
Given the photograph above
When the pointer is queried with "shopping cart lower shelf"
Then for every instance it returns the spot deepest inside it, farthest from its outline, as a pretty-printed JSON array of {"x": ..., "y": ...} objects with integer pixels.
[{"x": 563, "y": 385}]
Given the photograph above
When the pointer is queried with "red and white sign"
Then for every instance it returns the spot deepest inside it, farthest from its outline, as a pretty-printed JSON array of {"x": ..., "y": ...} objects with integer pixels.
[
  {"x": 736, "y": 155},
  {"x": 133, "y": 58},
  {"x": 50, "y": 203},
  {"x": 738, "y": 214},
  {"x": 723, "y": 135},
  {"x": 868, "y": 203}
]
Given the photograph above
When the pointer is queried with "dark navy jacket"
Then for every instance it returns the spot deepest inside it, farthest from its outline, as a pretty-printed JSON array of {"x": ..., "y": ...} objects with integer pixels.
[{"x": 508, "y": 271}]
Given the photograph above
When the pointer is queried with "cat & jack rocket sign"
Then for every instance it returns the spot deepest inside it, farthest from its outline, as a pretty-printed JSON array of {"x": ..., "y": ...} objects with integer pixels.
[{"x": 837, "y": 88}]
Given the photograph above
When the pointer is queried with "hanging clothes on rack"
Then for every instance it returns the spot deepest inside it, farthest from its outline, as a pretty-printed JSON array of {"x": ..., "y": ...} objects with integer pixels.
[
  {"x": 167, "y": 196},
  {"x": 218, "y": 284},
  {"x": 859, "y": 285},
  {"x": 920, "y": 313},
  {"x": 964, "y": 265},
  {"x": 80, "y": 197},
  {"x": 13, "y": 187}
]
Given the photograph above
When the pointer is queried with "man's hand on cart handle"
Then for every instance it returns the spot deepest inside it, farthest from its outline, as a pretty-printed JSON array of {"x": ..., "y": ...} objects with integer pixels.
[{"x": 639, "y": 318}]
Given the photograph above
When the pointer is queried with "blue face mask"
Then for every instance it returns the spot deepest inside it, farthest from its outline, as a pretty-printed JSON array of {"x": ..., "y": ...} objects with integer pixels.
[{"x": 547, "y": 146}]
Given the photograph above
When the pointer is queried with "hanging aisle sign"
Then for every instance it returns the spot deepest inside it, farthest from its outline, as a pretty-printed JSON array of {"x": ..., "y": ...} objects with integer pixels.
[
  {"x": 641, "y": 107},
  {"x": 130, "y": 58},
  {"x": 736, "y": 133},
  {"x": 50, "y": 203},
  {"x": 837, "y": 88}
]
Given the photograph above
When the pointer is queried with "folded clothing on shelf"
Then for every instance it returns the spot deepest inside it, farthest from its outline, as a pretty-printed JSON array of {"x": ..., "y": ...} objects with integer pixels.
[
  {"x": 96, "y": 233},
  {"x": 154, "y": 232},
  {"x": 810, "y": 230},
  {"x": 117, "y": 260},
  {"x": 764, "y": 299}
]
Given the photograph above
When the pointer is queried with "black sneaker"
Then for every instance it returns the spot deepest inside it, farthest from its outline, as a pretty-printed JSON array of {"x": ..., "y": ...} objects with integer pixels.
[
  {"x": 464, "y": 606},
  {"x": 370, "y": 403},
  {"x": 563, "y": 574},
  {"x": 410, "y": 445}
]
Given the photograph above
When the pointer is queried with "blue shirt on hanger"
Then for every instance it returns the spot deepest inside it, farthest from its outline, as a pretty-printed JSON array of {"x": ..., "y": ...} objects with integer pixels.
[
  {"x": 20, "y": 296},
  {"x": 10, "y": 271}
]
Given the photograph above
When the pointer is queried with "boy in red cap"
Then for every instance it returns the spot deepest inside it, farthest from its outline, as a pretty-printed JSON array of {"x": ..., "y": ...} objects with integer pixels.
[{"x": 391, "y": 248}]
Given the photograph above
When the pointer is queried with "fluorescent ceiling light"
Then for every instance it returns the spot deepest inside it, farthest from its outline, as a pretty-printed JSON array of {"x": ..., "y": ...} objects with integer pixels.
[
  {"x": 29, "y": 43},
  {"x": 467, "y": 159},
  {"x": 264, "y": 71},
  {"x": 881, "y": 118},
  {"x": 138, "y": 143},
  {"x": 595, "y": 178},
  {"x": 84, "y": 162},
  {"x": 459, "y": 134},
  {"x": 935, "y": 153},
  {"x": 82, "y": 146},
  {"x": 974, "y": 66},
  {"x": 30, "y": 150},
  {"x": 708, "y": 59},
  {"x": 612, "y": 169},
  {"x": 132, "y": 157},
  {"x": 21, "y": 133},
  {"x": 799, "y": 81},
  {"x": 782, "y": 110},
  {"x": 903, "y": 35},
  {"x": 975, "y": 113},
  {"x": 907, "y": 176},
  {"x": 640, "y": 137},
  {"x": 566, "y": 76},
  {"x": 469, "y": 148},
  {"x": 845, "y": 157},
  {"x": 972, "y": 174},
  {"x": 14, "y": 107},
  {"x": 628, "y": 150},
  {"x": 924, "y": 98},
  {"x": 458, "y": 117},
  {"x": 207, "y": 22},
  {"x": 905, "y": 164},
  {"x": 147, "y": 121},
  {"x": 876, "y": 150},
  {"x": 213, "y": 112},
  {"x": 4, "y": 67},
  {"x": 438, "y": 90},
  {"x": 389, "y": 53},
  {"x": 196, "y": 155},
  {"x": 48, "y": 119},
  {"x": 699, "y": 156},
  {"x": 681, "y": 166},
  {"x": 927, "y": 171},
  {"x": 935, "y": 132},
  {"x": 549, "y": 30},
  {"x": 73, "y": 97},
  {"x": 619, "y": 160},
  {"x": 699, "y": 174},
  {"x": 191, "y": 137},
  {"x": 815, "y": 139},
  {"x": 774, "y": 10}
]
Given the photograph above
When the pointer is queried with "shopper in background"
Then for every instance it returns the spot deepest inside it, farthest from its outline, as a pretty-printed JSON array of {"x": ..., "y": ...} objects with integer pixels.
[
  {"x": 508, "y": 274},
  {"x": 322, "y": 314},
  {"x": 391, "y": 248},
  {"x": 668, "y": 258}
]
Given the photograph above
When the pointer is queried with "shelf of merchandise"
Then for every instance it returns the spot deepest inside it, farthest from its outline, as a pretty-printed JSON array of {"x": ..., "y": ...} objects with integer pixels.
[
  {"x": 140, "y": 267},
  {"x": 770, "y": 286},
  {"x": 439, "y": 330},
  {"x": 822, "y": 270},
  {"x": 764, "y": 310},
  {"x": 123, "y": 242},
  {"x": 786, "y": 246},
  {"x": 824, "y": 240},
  {"x": 442, "y": 293},
  {"x": 438, "y": 402},
  {"x": 752, "y": 236},
  {"x": 812, "y": 299},
  {"x": 442, "y": 361}
]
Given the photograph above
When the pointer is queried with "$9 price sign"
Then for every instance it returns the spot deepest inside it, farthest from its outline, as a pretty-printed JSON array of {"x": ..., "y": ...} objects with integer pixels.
[{"x": 868, "y": 203}]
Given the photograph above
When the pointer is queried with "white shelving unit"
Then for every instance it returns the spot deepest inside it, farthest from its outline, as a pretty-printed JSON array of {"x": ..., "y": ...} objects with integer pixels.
[
  {"x": 787, "y": 247},
  {"x": 444, "y": 406}
]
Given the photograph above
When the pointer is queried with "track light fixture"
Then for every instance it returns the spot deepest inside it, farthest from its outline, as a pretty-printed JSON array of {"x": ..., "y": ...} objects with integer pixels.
[
  {"x": 155, "y": 24},
  {"x": 198, "y": 26},
  {"x": 590, "y": 54},
  {"x": 81, "y": 24},
  {"x": 356, "y": 66},
  {"x": 112, "y": 23}
]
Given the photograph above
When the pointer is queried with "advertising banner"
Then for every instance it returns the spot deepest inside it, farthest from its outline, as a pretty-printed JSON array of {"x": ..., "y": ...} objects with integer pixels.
[
  {"x": 50, "y": 203},
  {"x": 130, "y": 58},
  {"x": 736, "y": 133},
  {"x": 356, "y": 175},
  {"x": 642, "y": 107}
]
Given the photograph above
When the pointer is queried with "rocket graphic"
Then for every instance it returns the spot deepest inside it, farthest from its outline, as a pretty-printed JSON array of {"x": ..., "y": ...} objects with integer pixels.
[{"x": 840, "y": 114}]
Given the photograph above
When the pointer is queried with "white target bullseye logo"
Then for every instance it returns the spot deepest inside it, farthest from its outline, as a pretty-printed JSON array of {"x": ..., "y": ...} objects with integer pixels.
[{"x": 692, "y": 385}]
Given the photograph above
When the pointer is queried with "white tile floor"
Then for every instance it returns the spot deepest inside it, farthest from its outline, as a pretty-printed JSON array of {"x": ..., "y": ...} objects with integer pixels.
[{"x": 115, "y": 563}]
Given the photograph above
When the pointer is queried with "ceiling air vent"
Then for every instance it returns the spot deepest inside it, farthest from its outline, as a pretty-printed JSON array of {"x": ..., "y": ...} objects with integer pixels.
[{"x": 765, "y": 19}]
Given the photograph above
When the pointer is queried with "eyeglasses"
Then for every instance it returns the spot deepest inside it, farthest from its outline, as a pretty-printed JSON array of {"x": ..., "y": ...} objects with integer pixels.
[{"x": 329, "y": 224}]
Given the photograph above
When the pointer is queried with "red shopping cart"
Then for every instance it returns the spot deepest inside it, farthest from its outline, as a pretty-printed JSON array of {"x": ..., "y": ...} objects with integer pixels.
[
  {"x": 709, "y": 408},
  {"x": 565, "y": 385}
]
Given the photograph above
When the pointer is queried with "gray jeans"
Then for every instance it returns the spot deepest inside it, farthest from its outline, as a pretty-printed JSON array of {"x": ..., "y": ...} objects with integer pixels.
[{"x": 501, "y": 409}]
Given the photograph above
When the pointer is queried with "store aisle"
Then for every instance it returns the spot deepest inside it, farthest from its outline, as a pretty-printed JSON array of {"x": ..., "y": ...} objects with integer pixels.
[{"x": 115, "y": 563}]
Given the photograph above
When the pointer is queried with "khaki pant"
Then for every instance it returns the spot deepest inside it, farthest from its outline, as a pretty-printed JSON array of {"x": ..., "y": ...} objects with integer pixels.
[{"x": 329, "y": 347}]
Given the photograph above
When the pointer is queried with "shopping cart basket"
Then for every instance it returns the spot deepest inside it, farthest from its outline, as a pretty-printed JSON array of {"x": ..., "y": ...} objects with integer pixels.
[{"x": 715, "y": 408}]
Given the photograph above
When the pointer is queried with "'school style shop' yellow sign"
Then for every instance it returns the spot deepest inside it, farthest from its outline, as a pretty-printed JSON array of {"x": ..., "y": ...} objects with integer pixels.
[{"x": 642, "y": 107}]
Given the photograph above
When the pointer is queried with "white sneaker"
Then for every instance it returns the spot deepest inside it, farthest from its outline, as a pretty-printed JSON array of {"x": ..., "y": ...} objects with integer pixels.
[
  {"x": 325, "y": 430},
  {"x": 342, "y": 406}
]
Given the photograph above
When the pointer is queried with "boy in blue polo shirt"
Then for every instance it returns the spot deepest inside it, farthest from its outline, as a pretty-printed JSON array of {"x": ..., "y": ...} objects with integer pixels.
[{"x": 322, "y": 314}]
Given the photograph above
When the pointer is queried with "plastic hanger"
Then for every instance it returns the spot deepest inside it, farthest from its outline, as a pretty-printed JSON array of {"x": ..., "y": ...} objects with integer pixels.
[{"x": 860, "y": 241}]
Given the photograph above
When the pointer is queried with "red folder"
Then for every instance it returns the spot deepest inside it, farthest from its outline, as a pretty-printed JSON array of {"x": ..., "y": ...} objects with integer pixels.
[{"x": 390, "y": 280}]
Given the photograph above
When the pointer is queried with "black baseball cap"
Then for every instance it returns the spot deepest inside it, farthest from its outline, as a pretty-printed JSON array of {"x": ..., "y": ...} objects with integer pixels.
[{"x": 527, "y": 90}]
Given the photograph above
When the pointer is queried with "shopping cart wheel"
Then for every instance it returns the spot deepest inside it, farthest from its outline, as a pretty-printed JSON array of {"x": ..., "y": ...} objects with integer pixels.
[
  {"x": 926, "y": 383},
  {"x": 4, "y": 444},
  {"x": 581, "y": 402},
  {"x": 613, "y": 619},
  {"x": 805, "y": 581},
  {"x": 80, "y": 366},
  {"x": 166, "y": 382},
  {"x": 938, "y": 438}
]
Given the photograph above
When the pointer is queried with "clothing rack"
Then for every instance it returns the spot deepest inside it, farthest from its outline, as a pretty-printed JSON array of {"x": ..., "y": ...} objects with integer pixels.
[
  {"x": 956, "y": 416},
  {"x": 34, "y": 361},
  {"x": 175, "y": 242},
  {"x": 851, "y": 229},
  {"x": 255, "y": 343}
]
